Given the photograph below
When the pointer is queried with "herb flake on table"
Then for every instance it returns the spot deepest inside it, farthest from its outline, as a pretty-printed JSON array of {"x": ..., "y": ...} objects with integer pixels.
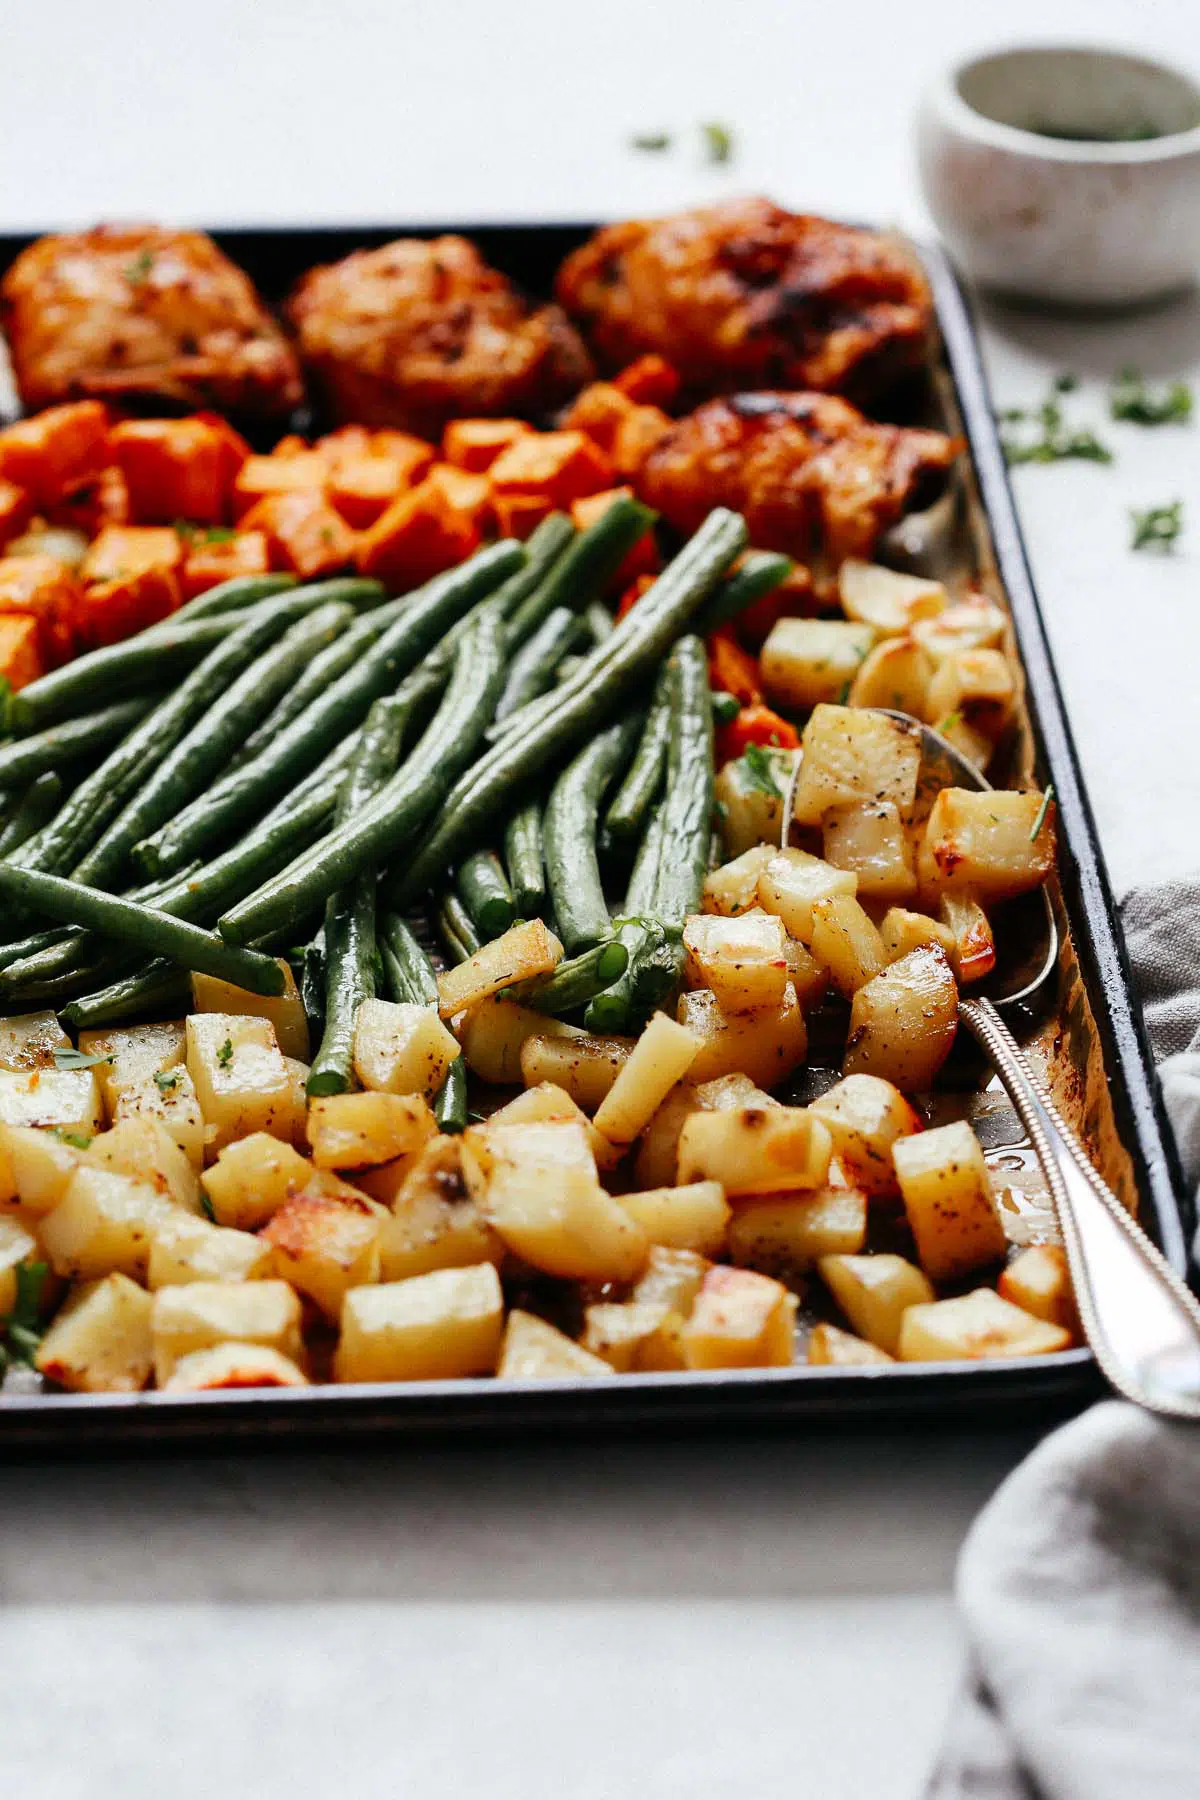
[
  {"x": 1054, "y": 440},
  {"x": 1156, "y": 528},
  {"x": 650, "y": 141},
  {"x": 1134, "y": 402},
  {"x": 718, "y": 142}
]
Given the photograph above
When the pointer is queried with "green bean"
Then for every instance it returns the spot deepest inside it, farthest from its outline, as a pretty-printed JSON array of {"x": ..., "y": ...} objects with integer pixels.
[
  {"x": 158, "y": 987},
  {"x": 531, "y": 670},
  {"x": 587, "y": 567},
  {"x": 484, "y": 891},
  {"x": 759, "y": 573},
  {"x": 72, "y": 741},
  {"x": 626, "y": 817},
  {"x": 569, "y": 829},
  {"x": 576, "y": 981},
  {"x": 726, "y": 707},
  {"x": 599, "y": 621},
  {"x": 410, "y": 974},
  {"x": 228, "y": 596},
  {"x": 450, "y": 1106},
  {"x": 36, "y": 807},
  {"x": 523, "y": 855},
  {"x": 456, "y": 929}
]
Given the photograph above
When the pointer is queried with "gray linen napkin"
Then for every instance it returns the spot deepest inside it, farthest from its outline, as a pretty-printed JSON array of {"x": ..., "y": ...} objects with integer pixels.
[{"x": 1079, "y": 1584}]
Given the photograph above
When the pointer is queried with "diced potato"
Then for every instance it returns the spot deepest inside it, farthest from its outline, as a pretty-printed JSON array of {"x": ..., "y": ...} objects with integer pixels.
[
  {"x": 284, "y": 1011},
  {"x": 99, "y": 1342},
  {"x": 234, "y": 1365},
  {"x": 143, "y": 1148},
  {"x": 896, "y": 675},
  {"x": 42, "y": 1165},
  {"x": 105, "y": 1223},
  {"x": 402, "y": 1049},
  {"x": 874, "y": 1292},
  {"x": 654, "y": 1165},
  {"x": 985, "y": 843},
  {"x": 975, "y": 1326},
  {"x": 622, "y": 1334},
  {"x": 979, "y": 684},
  {"x": 188, "y": 1249},
  {"x": 136, "y": 1054},
  {"x": 494, "y": 1033},
  {"x": 170, "y": 1097},
  {"x": 662, "y": 1056},
  {"x": 68, "y": 1099},
  {"x": 970, "y": 624},
  {"x": 668, "y": 1289},
  {"x": 435, "y": 1327},
  {"x": 957, "y": 729},
  {"x": 902, "y": 1024},
  {"x": 252, "y": 1178},
  {"x": 360, "y": 1131},
  {"x": 292, "y": 1125},
  {"x": 846, "y": 942},
  {"x": 886, "y": 599},
  {"x": 534, "y": 1351},
  {"x": 526, "y": 949},
  {"x": 750, "y": 799},
  {"x": 434, "y": 1222},
  {"x": 869, "y": 838},
  {"x": 327, "y": 1240},
  {"x": 741, "y": 1320},
  {"x": 948, "y": 1198},
  {"x": 807, "y": 661},
  {"x": 585, "y": 1066},
  {"x": 242, "y": 1082},
  {"x": 765, "y": 1045},
  {"x": 538, "y": 1189},
  {"x": 830, "y": 1347},
  {"x": 548, "y": 1104},
  {"x": 28, "y": 1041},
  {"x": 17, "y": 1245},
  {"x": 1038, "y": 1280},
  {"x": 197, "y": 1315},
  {"x": 903, "y": 931},
  {"x": 733, "y": 888},
  {"x": 756, "y": 1150},
  {"x": 793, "y": 881},
  {"x": 865, "y": 1116},
  {"x": 789, "y": 1233},
  {"x": 851, "y": 755},
  {"x": 384, "y": 1182},
  {"x": 743, "y": 960},
  {"x": 692, "y": 1217},
  {"x": 729, "y": 1093},
  {"x": 973, "y": 948}
]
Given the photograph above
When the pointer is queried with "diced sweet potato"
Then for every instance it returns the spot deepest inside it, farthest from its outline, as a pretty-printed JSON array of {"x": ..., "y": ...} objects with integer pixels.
[
  {"x": 177, "y": 469},
  {"x": 45, "y": 590},
  {"x": 131, "y": 580},
  {"x": 562, "y": 465},
  {"x": 124, "y": 550},
  {"x": 475, "y": 444},
  {"x": 464, "y": 492},
  {"x": 643, "y": 559},
  {"x": 212, "y": 560},
  {"x": 419, "y": 536},
  {"x": 56, "y": 450},
  {"x": 303, "y": 533},
  {"x": 598, "y": 411},
  {"x": 298, "y": 471},
  {"x": 20, "y": 655},
  {"x": 365, "y": 479},
  {"x": 16, "y": 509},
  {"x": 519, "y": 515},
  {"x": 103, "y": 499},
  {"x": 637, "y": 434},
  {"x": 650, "y": 381}
]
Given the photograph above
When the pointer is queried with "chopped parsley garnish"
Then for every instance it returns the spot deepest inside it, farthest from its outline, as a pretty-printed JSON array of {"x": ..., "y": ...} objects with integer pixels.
[
  {"x": 759, "y": 772},
  {"x": 1042, "y": 810},
  {"x": 137, "y": 271},
  {"x": 76, "y": 1059},
  {"x": 78, "y": 1140},
  {"x": 949, "y": 723},
  {"x": 1131, "y": 400},
  {"x": 718, "y": 142},
  {"x": 225, "y": 1053},
  {"x": 1157, "y": 527},
  {"x": 650, "y": 140},
  {"x": 22, "y": 1327},
  {"x": 204, "y": 534},
  {"x": 207, "y": 1204},
  {"x": 166, "y": 1084},
  {"x": 1054, "y": 441}
]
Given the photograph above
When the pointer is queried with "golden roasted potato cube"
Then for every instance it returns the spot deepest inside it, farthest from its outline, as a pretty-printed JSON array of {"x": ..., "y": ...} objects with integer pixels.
[
  {"x": 849, "y": 755},
  {"x": 976, "y": 1325},
  {"x": 105, "y": 1223},
  {"x": 986, "y": 844},
  {"x": 434, "y": 1222},
  {"x": 494, "y": 1033},
  {"x": 885, "y": 598},
  {"x": 327, "y": 1240},
  {"x": 740, "y": 1320},
  {"x": 549, "y": 1104},
  {"x": 896, "y": 675},
  {"x": 241, "y": 1079},
  {"x": 196, "y": 1315},
  {"x": 145, "y": 1149},
  {"x": 136, "y": 1054},
  {"x": 584, "y": 1066},
  {"x": 809, "y": 977},
  {"x": 874, "y": 1292},
  {"x": 979, "y": 684},
  {"x": 252, "y": 1178},
  {"x": 654, "y": 1164},
  {"x": 41, "y": 1164},
  {"x": 729, "y": 1093},
  {"x": 673, "y": 1276},
  {"x": 402, "y": 1049},
  {"x": 948, "y": 1198},
  {"x": 623, "y": 1333},
  {"x": 285, "y": 1011},
  {"x": 168, "y": 1096},
  {"x": 17, "y": 1245},
  {"x": 902, "y": 1024},
  {"x": 846, "y": 942},
  {"x": 903, "y": 931},
  {"x": 807, "y": 661},
  {"x": 793, "y": 881},
  {"x": 99, "y": 1341},
  {"x": 973, "y": 948},
  {"x": 786, "y": 1234},
  {"x": 765, "y": 1045},
  {"x": 538, "y": 1189},
  {"x": 830, "y": 1347},
  {"x": 970, "y": 624},
  {"x": 733, "y": 888},
  {"x": 188, "y": 1249},
  {"x": 750, "y": 797},
  {"x": 28, "y": 1042},
  {"x": 691, "y": 1217},
  {"x": 526, "y": 949},
  {"x": 742, "y": 960},
  {"x": 869, "y": 838},
  {"x": 531, "y": 1350},
  {"x": 756, "y": 1150},
  {"x": 293, "y": 1124},
  {"x": 234, "y": 1365},
  {"x": 662, "y": 1056},
  {"x": 864, "y": 1116},
  {"x": 432, "y": 1328},
  {"x": 360, "y": 1131},
  {"x": 66, "y": 1099},
  {"x": 1038, "y": 1280}
]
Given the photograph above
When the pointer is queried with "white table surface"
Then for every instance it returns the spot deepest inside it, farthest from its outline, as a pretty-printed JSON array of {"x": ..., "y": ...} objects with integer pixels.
[{"x": 716, "y": 1619}]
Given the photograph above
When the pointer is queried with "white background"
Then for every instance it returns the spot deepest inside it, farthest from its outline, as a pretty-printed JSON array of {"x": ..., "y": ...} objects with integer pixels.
[{"x": 728, "y": 1618}]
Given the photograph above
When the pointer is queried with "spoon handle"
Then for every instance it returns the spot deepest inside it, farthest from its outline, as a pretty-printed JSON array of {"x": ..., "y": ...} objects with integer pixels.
[{"x": 1141, "y": 1321}]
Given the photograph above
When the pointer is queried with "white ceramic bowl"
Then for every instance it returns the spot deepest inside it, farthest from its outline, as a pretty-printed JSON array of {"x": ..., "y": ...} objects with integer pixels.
[{"x": 1039, "y": 170}]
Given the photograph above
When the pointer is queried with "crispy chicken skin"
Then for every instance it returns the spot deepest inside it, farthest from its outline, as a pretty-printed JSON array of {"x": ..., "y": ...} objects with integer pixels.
[
  {"x": 417, "y": 333},
  {"x": 808, "y": 471},
  {"x": 743, "y": 294},
  {"x": 138, "y": 313}
]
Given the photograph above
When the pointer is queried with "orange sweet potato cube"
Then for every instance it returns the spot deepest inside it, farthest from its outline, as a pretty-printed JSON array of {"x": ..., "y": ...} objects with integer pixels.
[
  {"x": 413, "y": 454},
  {"x": 103, "y": 499},
  {"x": 562, "y": 465},
  {"x": 20, "y": 657},
  {"x": 130, "y": 550},
  {"x": 302, "y": 471},
  {"x": 599, "y": 410},
  {"x": 303, "y": 533},
  {"x": 177, "y": 469},
  {"x": 418, "y": 536},
  {"x": 650, "y": 381},
  {"x": 368, "y": 470},
  {"x": 42, "y": 588},
  {"x": 475, "y": 444},
  {"x": 643, "y": 559},
  {"x": 467, "y": 493},
  {"x": 56, "y": 450},
  {"x": 16, "y": 509},
  {"x": 636, "y": 436},
  {"x": 131, "y": 580},
  {"x": 210, "y": 561},
  {"x": 519, "y": 515}
]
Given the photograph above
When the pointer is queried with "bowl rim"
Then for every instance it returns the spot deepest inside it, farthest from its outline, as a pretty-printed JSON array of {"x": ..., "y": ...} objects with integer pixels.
[{"x": 1171, "y": 146}]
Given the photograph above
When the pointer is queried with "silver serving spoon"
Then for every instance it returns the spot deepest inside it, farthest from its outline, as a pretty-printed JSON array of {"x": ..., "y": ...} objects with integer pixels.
[{"x": 1141, "y": 1320}]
